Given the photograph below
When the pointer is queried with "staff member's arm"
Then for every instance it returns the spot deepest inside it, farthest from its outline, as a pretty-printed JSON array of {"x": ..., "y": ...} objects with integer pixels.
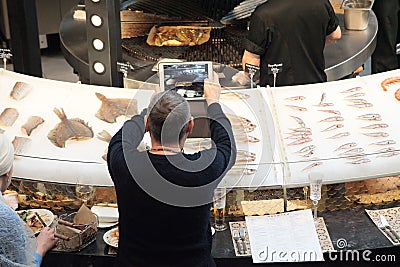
[
  {"x": 333, "y": 31},
  {"x": 250, "y": 58}
]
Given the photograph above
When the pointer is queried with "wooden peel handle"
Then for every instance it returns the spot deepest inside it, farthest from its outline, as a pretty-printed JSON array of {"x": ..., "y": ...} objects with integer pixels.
[
  {"x": 61, "y": 236},
  {"x": 70, "y": 224}
]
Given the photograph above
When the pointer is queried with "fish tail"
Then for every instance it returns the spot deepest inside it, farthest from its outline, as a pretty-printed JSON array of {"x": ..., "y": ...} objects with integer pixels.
[
  {"x": 60, "y": 113},
  {"x": 100, "y": 96}
]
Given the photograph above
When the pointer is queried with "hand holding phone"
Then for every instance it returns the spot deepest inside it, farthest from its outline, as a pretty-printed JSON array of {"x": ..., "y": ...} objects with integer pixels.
[{"x": 212, "y": 89}]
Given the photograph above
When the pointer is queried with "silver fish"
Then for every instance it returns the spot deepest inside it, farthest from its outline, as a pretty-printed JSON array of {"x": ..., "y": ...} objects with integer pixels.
[
  {"x": 356, "y": 156},
  {"x": 306, "y": 149},
  {"x": 339, "y": 135},
  {"x": 244, "y": 138},
  {"x": 300, "y": 133},
  {"x": 300, "y": 141},
  {"x": 241, "y": 171},
  {"x": 336, "y": 112},
  {"x": 312, "y": 165},
  {"x": 357, "y": 100},
  {"x": 351, "y": 90},
  {"x": 389, "y": 154},
  {"x": 387, "y": 149},
  {"x": 333, "y": 127},
  {"x": 384, "y": 143},
  {"x": 295, "y": 98},
  {"x": 370, "y": 117},
  {"x": 346, "y": 146},
  {"x": 299, "y": 121},
  {"x": 362, "y": 105},
  {"x": 376, "y": 126},
  {"x": 376, "y": 134},
  {"x": 330, "y": 119},
  {"x": 352, "y": 151},
  {"x": 356, "y": 95},
  {"x": 326, "y": 105},
  {"x": 297, "y": 108},
  {"x": 301, "y": 129},
  {"x": 249, "y": 139},
  {"x": 360, "y": 161},
  {"x": 245, "y": 156},
  {"x": 309, "y": 154},
  {"x": 297, "y": 137}
]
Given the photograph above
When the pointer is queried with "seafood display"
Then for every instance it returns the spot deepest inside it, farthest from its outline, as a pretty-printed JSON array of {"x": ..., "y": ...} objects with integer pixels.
[
  {"x": 32, "y": 123},
  {"x": 20, "y": 144},
  {"x": 8, "y": 117},
  {"x": 67, "y": 129},
  {"x": 112, "y": 108},
  {"x": 353, "y": 118},
  {"x": 20, "y": 90},
  {"x": 343, "y": 129}
]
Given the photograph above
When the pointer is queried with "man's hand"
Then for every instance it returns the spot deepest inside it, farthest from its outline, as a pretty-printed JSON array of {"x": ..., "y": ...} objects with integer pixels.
[{"x": 212, "y": 89}]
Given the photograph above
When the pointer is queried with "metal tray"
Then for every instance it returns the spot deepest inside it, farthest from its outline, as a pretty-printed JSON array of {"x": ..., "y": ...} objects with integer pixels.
[{"x": 356, "y": 13}]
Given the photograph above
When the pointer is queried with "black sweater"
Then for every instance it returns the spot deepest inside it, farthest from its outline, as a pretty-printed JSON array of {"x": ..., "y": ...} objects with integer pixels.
[{"x": 163, "y": 201}]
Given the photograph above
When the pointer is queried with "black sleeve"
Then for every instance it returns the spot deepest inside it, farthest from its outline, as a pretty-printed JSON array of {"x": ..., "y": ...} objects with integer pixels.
[
  {"x": 128, "y": 137},
  {"x": 222, "y": 136},
  {"x": 259, "y": 35},
  {"x": 333, "y": 20}
]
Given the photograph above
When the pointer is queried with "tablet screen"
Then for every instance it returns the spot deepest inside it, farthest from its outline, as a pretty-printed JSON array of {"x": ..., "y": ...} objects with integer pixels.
[{"x": 186, "y": 77}]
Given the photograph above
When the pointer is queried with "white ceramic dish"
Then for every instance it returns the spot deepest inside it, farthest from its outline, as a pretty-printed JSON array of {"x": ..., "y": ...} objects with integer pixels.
[
  {"x": 106, "y": 214},
  {"x": 106, "y": 224},
  {"x": 107, "y": 237},
  {"x": 46, "y": 215}
]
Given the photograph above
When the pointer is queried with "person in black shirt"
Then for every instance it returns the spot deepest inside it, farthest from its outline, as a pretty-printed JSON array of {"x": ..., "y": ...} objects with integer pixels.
[
  {"x": 384, "y": 57},
  {"x": 164, "y": 195},
  {"x": 292, "y": 33}
]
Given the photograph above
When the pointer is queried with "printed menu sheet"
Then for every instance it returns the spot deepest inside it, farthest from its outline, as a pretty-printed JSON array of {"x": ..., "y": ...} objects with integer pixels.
[{"x": 285, "y": 237}]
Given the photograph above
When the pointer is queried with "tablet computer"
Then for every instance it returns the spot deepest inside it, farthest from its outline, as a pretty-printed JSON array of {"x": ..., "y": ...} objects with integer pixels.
[{"x": 187, "y": 78}]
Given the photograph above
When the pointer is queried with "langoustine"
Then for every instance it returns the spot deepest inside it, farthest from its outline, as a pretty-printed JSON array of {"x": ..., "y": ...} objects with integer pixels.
[{"x": 391, "y": 81}]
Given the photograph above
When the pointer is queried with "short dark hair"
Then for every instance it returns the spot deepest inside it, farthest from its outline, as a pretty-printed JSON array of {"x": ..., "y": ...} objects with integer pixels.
[{"x": 168, "y": 116}]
